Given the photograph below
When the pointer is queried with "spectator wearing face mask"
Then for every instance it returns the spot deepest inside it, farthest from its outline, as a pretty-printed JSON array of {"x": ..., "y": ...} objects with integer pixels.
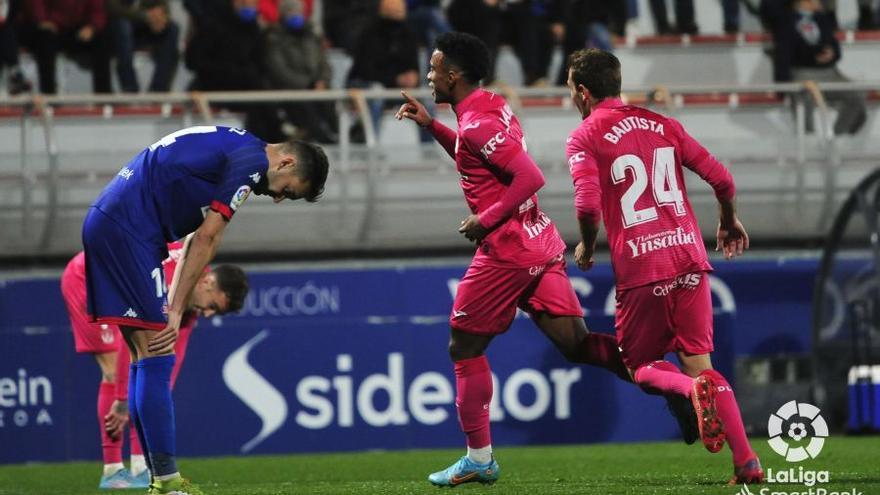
[
  {"x": 296, "y": 59},
  {"x": 269, "y": 10},
  {"x": 227, "y": 53}
]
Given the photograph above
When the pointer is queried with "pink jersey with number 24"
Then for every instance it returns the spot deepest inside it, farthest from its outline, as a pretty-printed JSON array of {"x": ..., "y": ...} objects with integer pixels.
[{"x": 626, "y": 163}]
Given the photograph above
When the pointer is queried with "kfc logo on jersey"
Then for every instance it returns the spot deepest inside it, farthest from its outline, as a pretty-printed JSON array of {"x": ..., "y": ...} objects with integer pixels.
[
  {"x": 239, "y": 197},
  {"x": 661, "y": 240},
  {"x": 492, "y": 144},
  {"x": 576, "y": 158}
]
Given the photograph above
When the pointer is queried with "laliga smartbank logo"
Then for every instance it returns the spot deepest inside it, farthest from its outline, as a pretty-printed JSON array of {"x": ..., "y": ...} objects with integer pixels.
[{"x": 797, "y": 432}]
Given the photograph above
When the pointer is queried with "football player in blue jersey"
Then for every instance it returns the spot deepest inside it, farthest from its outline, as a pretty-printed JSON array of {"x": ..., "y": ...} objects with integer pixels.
[{"x": 190, "y": 181}]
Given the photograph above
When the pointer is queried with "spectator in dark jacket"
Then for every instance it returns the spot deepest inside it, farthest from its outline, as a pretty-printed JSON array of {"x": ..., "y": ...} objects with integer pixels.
[
  {"x": 344, "y": 20},
  {"x": 144, "y": 24},
  {"x": 296, "y": 59},
  {"x": 227, "y": 53},
  {"x": 9, "y": 49},
  {"x": 585, "y": 23},
  {"x": 427, "y": 20},
  {"x": 483, "y": 19},
  {"x": 76, "y": 27},
  {"x": 387, "y": 55},
  {"x": 806, "y": 49},
  {"x": 527, "y": 27}
]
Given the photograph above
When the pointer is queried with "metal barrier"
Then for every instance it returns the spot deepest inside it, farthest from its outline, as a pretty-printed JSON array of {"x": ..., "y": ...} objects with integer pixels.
[{"x": 354, "y": 103}]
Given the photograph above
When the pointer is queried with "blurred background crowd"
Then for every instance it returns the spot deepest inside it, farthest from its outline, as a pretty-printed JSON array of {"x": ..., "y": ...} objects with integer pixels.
[{"x": 230, "y": 45}]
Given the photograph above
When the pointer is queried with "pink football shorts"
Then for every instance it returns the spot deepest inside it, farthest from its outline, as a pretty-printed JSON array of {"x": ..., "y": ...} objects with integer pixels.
[
  {"x": 488, "y": 296},
  {"x": 664, "y": 316},
  {"x": 89, "y": 337}
]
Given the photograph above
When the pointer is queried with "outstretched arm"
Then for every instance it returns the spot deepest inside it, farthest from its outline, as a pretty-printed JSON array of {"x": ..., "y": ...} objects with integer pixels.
[{"x": 204, "y": 244}]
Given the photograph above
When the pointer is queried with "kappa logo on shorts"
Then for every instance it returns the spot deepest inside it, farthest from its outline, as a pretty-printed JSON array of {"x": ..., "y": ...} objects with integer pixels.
[
  {"x": 458, "y": 314},
  {"x": 239, "y": 197},
  {"x": 131, "y": 313}
]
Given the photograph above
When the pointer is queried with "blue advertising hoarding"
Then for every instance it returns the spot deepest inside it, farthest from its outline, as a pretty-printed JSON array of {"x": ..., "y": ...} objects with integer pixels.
[{"x": 355, "y": 359}]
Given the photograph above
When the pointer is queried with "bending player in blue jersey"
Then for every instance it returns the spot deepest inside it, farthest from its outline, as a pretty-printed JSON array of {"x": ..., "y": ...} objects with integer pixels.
[{"x": 191, "y": 181}]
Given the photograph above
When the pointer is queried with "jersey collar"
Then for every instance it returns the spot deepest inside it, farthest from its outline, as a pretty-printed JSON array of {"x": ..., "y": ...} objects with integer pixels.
[
  {"x": 469, "y": 101},
  {"x": 609, "y": 103}
]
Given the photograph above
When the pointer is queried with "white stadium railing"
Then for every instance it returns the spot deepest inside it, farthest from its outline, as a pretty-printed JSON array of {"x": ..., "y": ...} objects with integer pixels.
[{"x": 376, "y": 186}]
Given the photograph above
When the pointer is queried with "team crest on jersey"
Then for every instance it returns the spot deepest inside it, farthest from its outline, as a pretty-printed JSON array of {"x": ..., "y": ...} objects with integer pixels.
[{"x": 239, "y": 197}]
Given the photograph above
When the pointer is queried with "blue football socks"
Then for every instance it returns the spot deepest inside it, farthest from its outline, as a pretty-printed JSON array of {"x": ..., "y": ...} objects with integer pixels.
[
  {"x": 156, "y": 412},
  {"x": 132, "y": 412}
]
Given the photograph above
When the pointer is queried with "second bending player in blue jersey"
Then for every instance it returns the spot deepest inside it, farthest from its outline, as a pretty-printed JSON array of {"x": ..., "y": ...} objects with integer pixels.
[{"x": 190, "y": 181}]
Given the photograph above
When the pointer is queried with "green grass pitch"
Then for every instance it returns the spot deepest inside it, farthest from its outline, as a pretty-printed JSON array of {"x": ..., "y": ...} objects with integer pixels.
[{"x": 665, "y": 468}]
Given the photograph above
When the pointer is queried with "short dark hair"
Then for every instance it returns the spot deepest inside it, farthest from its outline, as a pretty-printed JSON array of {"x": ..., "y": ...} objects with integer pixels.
[
  {"x": 232, "y": 281},
  {"x": 312, "y": 165},
  {"x": 598, "y": 71},
  {"x": 467, "y": 52}
]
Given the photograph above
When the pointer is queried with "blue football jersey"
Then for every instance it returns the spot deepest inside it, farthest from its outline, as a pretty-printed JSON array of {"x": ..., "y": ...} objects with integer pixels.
[{"x": 164, "y": 192}]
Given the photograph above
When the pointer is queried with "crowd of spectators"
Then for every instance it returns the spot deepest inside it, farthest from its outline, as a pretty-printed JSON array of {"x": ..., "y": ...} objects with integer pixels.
[{"x": 273, "y": 44}]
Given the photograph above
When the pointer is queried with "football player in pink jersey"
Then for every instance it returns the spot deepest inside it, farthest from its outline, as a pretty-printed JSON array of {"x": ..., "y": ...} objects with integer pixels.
[
  {"x": 519, "y": 259},
  {"x": 628, "y": 165},
  {"x": 219, "y": 291}
]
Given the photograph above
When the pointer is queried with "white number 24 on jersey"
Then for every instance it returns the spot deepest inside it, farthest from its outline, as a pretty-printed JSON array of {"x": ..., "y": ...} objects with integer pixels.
[{"x": 663, "y": 180}]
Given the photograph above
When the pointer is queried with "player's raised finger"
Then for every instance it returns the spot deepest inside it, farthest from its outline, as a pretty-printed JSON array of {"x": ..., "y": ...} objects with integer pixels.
[{"x": 407, "y": 97}]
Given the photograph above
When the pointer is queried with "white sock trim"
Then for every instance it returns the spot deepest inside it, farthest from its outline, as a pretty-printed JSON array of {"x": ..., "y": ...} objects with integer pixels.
[
  {"x": 482, "y": 455},
  {"x": 113, "y": 468},
  {"x": 138, "y": 464}
]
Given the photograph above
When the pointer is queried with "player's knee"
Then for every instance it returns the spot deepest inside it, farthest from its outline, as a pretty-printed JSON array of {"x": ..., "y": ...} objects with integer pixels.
[
  {"x": 694, "y": 365},
  {"x": 460, "y": 350},
  {"x": 108, "y": 377}
]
